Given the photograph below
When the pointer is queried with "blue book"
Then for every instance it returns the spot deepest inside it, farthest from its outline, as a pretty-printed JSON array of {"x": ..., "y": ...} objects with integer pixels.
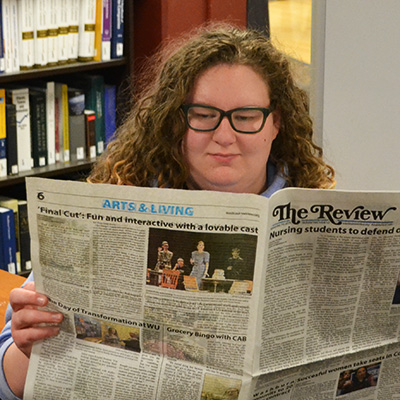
[
  {"x": 117, "y": 29},
  {"x": 110, "y": 106},
  {"x": 8, "y": 244},
  {"x": 3, "y": 134}
]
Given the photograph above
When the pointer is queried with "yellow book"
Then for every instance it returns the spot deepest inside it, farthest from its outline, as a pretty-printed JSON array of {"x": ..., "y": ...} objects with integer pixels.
[
  {"x": 98, "y": 30},
  {"x": 3, "y": 152}
]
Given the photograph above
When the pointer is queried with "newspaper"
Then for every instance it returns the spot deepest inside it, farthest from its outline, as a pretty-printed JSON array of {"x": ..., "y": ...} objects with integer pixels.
[{"x": 301, "y": 299}]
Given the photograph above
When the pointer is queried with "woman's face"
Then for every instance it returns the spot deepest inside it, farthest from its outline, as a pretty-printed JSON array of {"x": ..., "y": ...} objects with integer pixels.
[
  {"x": 361, "y": 373},
  {"x": 225, "y": 160},
  {"x": 200, "y": 246}
]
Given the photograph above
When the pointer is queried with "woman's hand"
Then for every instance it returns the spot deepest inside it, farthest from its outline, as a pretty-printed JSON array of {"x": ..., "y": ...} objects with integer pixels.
[{"x": 28, "y": 324}]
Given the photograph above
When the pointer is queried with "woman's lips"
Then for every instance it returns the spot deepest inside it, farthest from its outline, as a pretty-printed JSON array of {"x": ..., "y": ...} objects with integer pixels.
[{"x": 224, "y": 158}]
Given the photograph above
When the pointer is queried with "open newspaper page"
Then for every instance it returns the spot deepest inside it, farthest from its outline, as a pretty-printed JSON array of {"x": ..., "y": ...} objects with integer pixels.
[
  {"x": 300, "y": 300},
  {"x": 332, "y": 293},
  {"x": 126, "y": 267}
]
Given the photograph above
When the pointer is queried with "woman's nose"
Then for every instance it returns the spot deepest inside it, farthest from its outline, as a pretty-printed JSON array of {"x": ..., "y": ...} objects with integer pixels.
[{"x": 224, "y": 135}]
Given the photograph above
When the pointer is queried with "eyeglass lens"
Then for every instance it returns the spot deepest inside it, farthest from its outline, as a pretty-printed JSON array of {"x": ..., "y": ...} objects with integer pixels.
[{"x": 204, "y": 118}]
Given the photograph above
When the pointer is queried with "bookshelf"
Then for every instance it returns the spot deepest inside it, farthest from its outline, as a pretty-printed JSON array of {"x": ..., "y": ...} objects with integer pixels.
[{"x": 115, "y": 72}]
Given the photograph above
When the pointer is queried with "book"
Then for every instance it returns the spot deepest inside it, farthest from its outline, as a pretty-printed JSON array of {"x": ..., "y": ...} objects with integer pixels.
[
  {"x": 62, "y": 122},
  {"x": 106, "y": 31},
  {"x": 93, "y": 86},
  {"x": 87, "y": 23},
  {"x": 8, "y": 253},
  {"x": 2, "y": 59},
  {"x": 110, "y": 106},
  {"x": 26, "y": 34},
  {"x": 98, "y": 30},
  {"x": 24, "y": 237},
  {"x": 73, "y": 29},
  {"x": 90, "y": 131},
  {"x": 40, "y": 31},
  {"x": 14, "y": 35},
  {"x": 20, "y": 97},
  {"x": 57, "y": 121},
  {"x": 77, "y": 135},
  {"x": 50, "y": 122},
  {"x": 52, "y": 33},
  {"x": 37, "y": 106},
  {"x": 63, "y": 35},
  {"x": 11, "y": 140},
  {"x": 117, "y": 29},
  {"x": 12, "y": 204},
  {"x": 7, "y": 38},
  {"x": 3, "y": 134}
]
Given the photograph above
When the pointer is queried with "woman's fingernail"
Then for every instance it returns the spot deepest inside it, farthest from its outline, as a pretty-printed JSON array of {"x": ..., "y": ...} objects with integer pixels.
[
  {"x": 56, "y": 317},
  {"x": 41, "y": 301}
]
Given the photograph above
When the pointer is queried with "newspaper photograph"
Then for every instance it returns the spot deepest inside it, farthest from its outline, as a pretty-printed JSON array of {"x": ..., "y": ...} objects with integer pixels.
[{"x": 202, "y": 295}]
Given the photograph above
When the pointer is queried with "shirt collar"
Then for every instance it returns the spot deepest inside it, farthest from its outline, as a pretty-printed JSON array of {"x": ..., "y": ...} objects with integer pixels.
[{"x": 275, "y": 180}]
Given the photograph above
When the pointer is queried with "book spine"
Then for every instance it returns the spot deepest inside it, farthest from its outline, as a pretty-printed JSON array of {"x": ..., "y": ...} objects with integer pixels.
[
  {"x": 73, "y": 29},
  {"x": 12, "y": 204},
  {"x": 20, "y": 97},
  {"x": 3, "y": 134},
  {"x": 37, "y": 105},
  {"x": 98, "y": 83},
  {"x": 26, "y": 35},
  {"x": 98, "y": 30},
  {"x": 2, "y": 59},
  {"x": 11, "y": 142},
  {"x": 106, "y": 31},
  {"x": 52, "y": 38},
  {"x": 6, "y": 14},
  {"x": 51, "y": 123},
  {"x": 117, "y": 36},
  {"x": 65, "y": 123},
  {"x": 40, "y": 33},
  {"x": 14, "y": 35},
  {"x": 77, "y": 139},
  {"x": 87, "y": 23},
  {"x": 24, "y": 237},
  {"x": 57, "y": 121},
  {"x": 109, "y": 112},
  {"x": 7, "y": 242},
  {"x": 63, "y": 27},
  {"x": 90, "y": 130}
]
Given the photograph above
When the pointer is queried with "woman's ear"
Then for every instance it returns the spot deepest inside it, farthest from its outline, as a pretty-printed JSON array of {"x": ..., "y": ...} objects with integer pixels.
[{"x": 276, "y": 118}]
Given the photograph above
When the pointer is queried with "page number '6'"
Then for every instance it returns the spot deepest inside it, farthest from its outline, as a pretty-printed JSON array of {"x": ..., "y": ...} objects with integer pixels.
[{"x": 40, "y": 196}]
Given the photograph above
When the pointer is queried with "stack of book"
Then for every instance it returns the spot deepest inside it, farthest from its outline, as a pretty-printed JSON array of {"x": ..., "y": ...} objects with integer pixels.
[
  {"x": 44, "y": 33},
  {"x": 55, "y": 122},
  {"x": 15, "y": 253}
]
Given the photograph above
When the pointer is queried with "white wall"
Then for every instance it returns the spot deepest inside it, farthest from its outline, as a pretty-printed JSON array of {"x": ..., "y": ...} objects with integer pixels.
[{"x": 355, "y": 96}]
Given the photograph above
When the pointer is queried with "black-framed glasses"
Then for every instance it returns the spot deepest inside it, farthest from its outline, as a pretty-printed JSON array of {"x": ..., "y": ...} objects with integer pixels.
[{"x": 204, "y": 118}]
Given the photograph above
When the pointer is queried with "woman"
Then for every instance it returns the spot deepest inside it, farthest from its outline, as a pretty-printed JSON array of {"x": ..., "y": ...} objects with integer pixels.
[
  {"x": 177, "y": 136},
  {"x": 200, "y": 260}
]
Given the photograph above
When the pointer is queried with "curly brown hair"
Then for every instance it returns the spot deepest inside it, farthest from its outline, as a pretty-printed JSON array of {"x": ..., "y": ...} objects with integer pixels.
[{"x": 147, "y": 148}]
